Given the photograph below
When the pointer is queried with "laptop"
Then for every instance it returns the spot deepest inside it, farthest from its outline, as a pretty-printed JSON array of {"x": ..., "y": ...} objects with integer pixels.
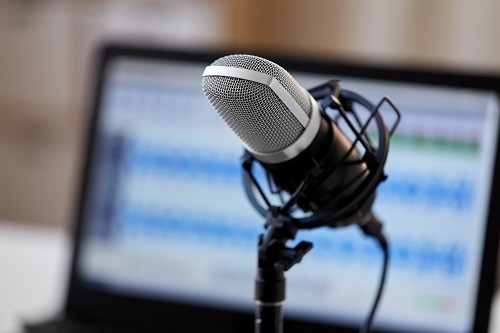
[{"x": 166, "y": 240}]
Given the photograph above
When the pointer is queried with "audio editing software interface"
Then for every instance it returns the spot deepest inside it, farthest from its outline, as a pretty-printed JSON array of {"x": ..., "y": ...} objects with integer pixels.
[{"x": 168, "y": 216}]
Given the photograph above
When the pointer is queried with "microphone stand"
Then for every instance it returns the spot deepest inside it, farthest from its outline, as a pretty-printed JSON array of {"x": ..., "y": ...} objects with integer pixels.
[{"x": 274, "y": 258}]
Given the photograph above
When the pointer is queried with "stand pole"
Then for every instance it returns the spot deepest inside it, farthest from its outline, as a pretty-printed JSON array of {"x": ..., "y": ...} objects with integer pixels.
[{"x": 269, "y": 300}]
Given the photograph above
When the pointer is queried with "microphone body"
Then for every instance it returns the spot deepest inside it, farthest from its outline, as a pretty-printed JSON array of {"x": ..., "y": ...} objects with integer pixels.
[{"x": 284, "y": 128}]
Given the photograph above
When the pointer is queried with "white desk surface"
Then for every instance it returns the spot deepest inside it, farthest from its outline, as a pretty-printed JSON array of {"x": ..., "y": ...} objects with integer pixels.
[
  {"x": 34, "y": 263},
  {"x": 33, "y": 269}
]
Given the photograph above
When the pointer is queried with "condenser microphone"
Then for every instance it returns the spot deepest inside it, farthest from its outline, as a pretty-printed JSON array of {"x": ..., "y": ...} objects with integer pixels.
[
  {"x": 305, "y": 154},
  {"x": 284, "y": 128}
]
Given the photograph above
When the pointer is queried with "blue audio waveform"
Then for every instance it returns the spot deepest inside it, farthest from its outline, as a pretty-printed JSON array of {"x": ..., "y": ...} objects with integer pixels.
[
  {"x": 160, "y": 161},
  {"x": 432, "y": 192},
  {"x": 420, "y": 256}
]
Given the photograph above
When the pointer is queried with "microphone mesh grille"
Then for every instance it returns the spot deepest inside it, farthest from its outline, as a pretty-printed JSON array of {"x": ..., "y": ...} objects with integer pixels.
[{"x": 252, "y": 110}]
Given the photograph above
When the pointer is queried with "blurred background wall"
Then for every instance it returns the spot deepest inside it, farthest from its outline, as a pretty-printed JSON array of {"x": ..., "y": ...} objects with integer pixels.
[{"x": 47, "y": 48}]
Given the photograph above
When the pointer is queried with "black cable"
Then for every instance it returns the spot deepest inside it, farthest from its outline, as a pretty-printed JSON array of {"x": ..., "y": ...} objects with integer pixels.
[{"x": 367, "y": 328}]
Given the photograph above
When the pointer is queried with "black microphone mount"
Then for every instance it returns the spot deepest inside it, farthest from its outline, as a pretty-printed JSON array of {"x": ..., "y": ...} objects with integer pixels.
[{"x": 274, "y": 256}]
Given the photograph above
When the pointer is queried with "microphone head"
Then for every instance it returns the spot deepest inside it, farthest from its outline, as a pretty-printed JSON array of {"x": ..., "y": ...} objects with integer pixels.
[{"x": 259, "y": 100}]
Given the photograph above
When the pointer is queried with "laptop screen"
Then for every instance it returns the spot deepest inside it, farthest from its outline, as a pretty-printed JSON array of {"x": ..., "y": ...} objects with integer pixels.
[{"x": 165, "y": 216}]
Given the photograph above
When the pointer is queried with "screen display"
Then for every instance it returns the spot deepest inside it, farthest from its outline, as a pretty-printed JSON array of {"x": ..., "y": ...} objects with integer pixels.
[{"x": 166, "y": 216}]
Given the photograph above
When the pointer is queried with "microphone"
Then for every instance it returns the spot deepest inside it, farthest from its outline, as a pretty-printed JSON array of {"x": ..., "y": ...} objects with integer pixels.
[
  {"x": 305, "y": 154},
  {"x": 283, "y": 127}
]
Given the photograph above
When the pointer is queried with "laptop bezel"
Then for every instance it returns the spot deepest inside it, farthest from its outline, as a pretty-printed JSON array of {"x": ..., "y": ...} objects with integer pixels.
[{"x": 93, "y": 305}]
